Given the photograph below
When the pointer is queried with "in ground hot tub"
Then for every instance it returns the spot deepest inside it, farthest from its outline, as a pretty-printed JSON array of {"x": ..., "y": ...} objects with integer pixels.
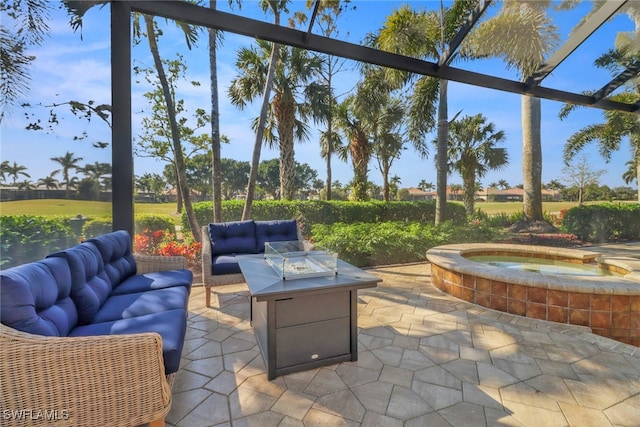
[{"x": 607, "y": 302}]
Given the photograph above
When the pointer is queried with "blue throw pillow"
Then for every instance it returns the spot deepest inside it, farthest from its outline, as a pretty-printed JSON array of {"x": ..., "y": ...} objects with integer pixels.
[
  {"x": 275, "y": 231},
  {"x": 238, "y": 237}
]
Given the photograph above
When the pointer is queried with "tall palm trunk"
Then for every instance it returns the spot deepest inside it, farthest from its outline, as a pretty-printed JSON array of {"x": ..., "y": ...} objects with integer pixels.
[
  {"x": 635, "y": 140},
  {"x": 284, "y": 110},
  {"x": 329, "y": 150},
  {"x": 531, "y": 159},
  {"x": 385, "y": 183},
  {"x": 175, "y": 134},
  {"x": 638, "y": 173},
  {"x": 216, "y": 156},
  {"x": 441, "y": 156},
  {"x": 257, "y": 146},
  {"x": 468, "y": 196},
  {"x": 360, "y": 155}
]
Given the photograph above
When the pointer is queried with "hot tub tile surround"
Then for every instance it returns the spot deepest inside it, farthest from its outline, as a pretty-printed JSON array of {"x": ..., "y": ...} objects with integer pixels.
[{"x": 609, "y": 305}]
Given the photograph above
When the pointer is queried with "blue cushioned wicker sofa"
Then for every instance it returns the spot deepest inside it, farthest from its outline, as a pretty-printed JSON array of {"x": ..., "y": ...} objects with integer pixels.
[
  {"x": 228, "y": 239},
  {"x": 91, "y": 331}
]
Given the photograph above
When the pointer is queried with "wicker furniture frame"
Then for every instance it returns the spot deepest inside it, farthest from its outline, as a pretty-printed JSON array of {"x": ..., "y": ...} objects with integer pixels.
[
  {"x": 107, "y": 380},
  {"x": 209, "y": 280}
]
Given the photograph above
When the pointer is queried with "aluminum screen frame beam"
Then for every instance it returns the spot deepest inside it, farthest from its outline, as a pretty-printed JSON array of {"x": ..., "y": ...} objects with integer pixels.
[
  {"x": 197, "y": 15},
  {"x": 454, "y": 44},
  {"x": 190, "y": 13},
  {"x": 582, "y": 33}
]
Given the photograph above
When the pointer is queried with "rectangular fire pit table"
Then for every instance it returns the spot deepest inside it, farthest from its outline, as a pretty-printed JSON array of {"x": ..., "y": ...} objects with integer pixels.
[{"x": 304, "y": 323}]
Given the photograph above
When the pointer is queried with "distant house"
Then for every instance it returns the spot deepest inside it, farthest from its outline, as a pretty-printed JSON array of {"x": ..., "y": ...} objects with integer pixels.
[
  {"x": 493, "y": 194},
  {"x": 171, "y": 195},
  {"x": 415, "y": 195}
]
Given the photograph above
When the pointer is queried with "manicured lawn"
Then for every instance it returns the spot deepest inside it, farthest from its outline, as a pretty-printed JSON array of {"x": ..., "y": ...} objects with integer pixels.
[
  {"x": 493, "y": 208},
  {"x": 61, "y": 207}
]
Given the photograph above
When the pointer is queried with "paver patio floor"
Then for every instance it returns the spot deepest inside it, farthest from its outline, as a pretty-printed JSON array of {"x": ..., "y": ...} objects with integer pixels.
[{"x": 425, "y": 359}]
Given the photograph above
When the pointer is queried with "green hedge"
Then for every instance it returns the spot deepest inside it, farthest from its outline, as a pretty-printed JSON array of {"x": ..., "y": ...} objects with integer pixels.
[
  {"x": 369, "y": 244},
  {"x": 27, "y": 238},
  {"x": 154, "y": 222},
  {"x": 312, "y": 212},
  {"x": 605, "y": 222}
]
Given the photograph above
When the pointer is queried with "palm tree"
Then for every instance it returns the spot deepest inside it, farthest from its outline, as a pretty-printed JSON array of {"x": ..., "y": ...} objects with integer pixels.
[
  {"x": 425, "y": 186},
  {"x": 425, "y": 34},
  {"x": 523, "y": 35},
  {"x": 276, "y": 7},
  {"x": 352, "y": 117},
  {"x": 455, "y": 189},
  {"x": 68, "y": 162},
  {"x": 617, "y": 124},
  {"x": 4, "y": 170},
  {"x": 26, "y": 185},
  {"x": 631, "y": 173},
  {"x": 183, "y": 186},
  {"x": 77, "y": 9},
  {"x": 473, "y": 152},
  {"x": 216, "y": 156},
  {"x": 50, "y": 183},
  {"x": 24, "y": 26},
  {"x": 95, "y": 173},
  {"x": 328, "y": 14},
  {"x": 16, "y": 170},
  {"x": 503, "y": 184},
  {"x": 388, "y": 142},
  {"x": 554, "y": 185},
  {"x": 297, "y": 99},
  {"x": 215, "y": 37}
]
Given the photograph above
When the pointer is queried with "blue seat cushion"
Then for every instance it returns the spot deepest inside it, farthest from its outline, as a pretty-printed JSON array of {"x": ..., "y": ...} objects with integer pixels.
[
  {"x": 35, "y": 298},
  {"x": 171, "y": 325},
  {"x": 154, "y": 280},
  {"x": 118, "y": 307},
  {"x": 233, "y": 237},
  {"x": 275, "y": 231},
  {"x": 90, "y": 285},
  {"x": 117, "y": 257},
  {"x": 225, "y": 264}
]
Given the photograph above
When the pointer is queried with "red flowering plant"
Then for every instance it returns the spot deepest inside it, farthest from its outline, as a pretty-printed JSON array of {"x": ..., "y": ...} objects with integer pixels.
[{"x": 163, "y": 243}]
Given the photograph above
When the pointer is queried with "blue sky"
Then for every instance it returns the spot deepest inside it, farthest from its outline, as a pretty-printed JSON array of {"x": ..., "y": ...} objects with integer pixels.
[{"x": 70, "y": 67}]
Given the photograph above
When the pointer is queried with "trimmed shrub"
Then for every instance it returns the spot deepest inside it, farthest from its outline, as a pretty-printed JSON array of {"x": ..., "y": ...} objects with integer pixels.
[
  {"x": 97, "y": 226},
  {"x": 28, "y": 238},
  {"x": 605, "y": 222},
  {"x": 312, "y": 212},
  {"x": 369, "y": 244},
  {"x": 153, "y": 222}
]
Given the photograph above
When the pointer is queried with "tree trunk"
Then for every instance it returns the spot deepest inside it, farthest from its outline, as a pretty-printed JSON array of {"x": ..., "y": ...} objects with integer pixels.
[
  {"x": 469, "y": 183},
  {"x": 360, "y": 155},
  {"x": 441, "y": 155},
  {"x": 329, "y": 153},
  {"x": 330, "y": 132},
  {"x": 284, "y": 110},
  {"x": 531, "y": 159},
  {"x": 385, "y": 183},
  {"x": 183, "y": 186},
  {"x": 215, "y": 125},
  {"x": 638, "y": 177},
  {"x": 637, "y": 157},
  {"x": 257, "y": 146}
]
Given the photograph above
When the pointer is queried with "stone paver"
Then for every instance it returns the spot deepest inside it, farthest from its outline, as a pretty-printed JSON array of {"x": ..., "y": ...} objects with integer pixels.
[{"x": 425, "y": 358}]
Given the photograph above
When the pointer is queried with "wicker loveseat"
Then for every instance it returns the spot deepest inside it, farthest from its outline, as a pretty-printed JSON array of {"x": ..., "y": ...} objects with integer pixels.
[
  {"x": 88, "y": 338},
  {"x": 228, "y": 239}
]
